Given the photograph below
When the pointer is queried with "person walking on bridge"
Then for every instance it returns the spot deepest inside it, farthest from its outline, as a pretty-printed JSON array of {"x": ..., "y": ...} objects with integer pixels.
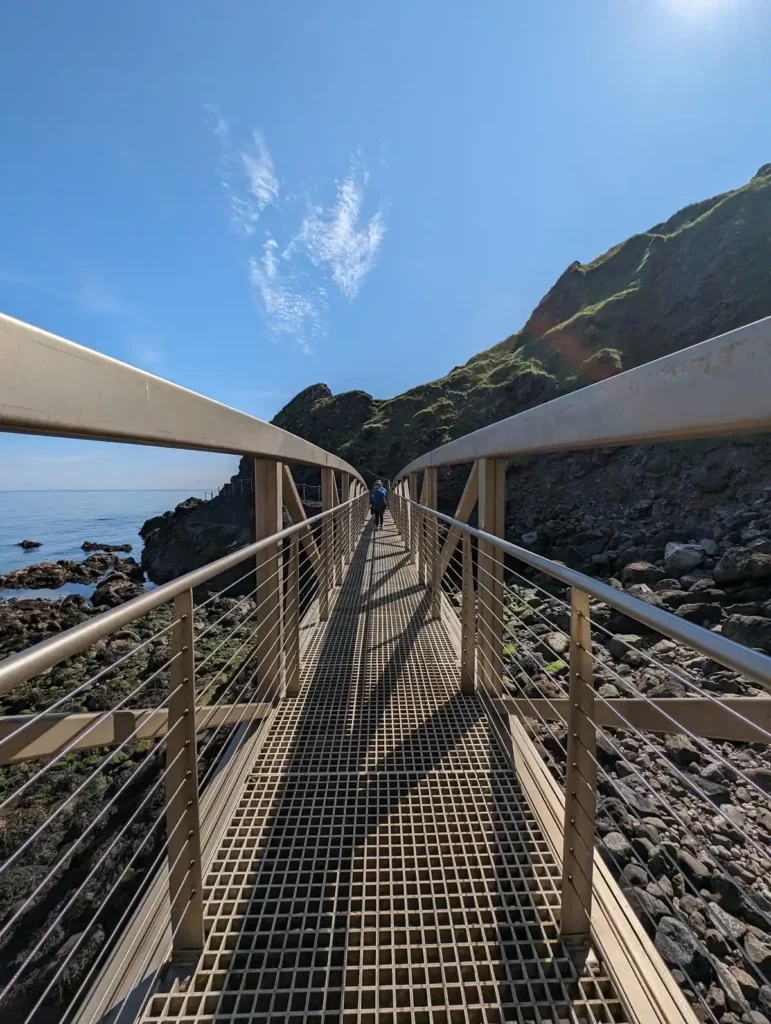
[{"x": 379, "y": 503}]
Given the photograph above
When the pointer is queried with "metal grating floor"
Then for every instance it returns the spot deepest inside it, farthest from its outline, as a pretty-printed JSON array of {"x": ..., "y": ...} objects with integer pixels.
[{"x": 383, "y": 866}]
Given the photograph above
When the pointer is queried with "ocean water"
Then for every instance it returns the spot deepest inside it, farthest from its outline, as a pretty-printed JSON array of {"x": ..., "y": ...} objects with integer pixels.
[{"x": 62, "y": 520}]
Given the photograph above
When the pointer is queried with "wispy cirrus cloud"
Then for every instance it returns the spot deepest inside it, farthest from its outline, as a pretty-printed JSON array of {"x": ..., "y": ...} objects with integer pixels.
[
  {"x": 248, "y": 174},
  {"x": 334, "y": 238},
  {"x": 323, "y": 242},
  {"x": 292, "y": 308}
]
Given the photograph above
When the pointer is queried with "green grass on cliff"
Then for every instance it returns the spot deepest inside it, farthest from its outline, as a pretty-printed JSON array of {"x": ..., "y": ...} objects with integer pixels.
[{"x": 703, "y": 271}]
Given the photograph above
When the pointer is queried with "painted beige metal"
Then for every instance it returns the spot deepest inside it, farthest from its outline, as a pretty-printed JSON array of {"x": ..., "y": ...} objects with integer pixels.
[
  {"x": 468, "y": 621},
  {"x": 345, "y": 517},
  {"x": 49, "y": 385},
  {"x": 293, "y": 620},
  {"x": 492, "y": 509},
  {"x": 183, "y": 823},
  {"x": 650, "y": 993},
  {"x": 712, "y": 389},
  {"x": 23, "y": 738},
  {"x": 297, "y": 512},
  {"x": 18, "y": 668},
  {"x": 337, "y": 546},
  {"x": 466, "y": 506},
  {"x": 268, "y": 517},
  {"x": 432, "y": 547},
  {"x": 713, "y": 719},
  {"x": 414, "y": 515},
  {"x": 326, "y": 576},
  {"x": 580, "y": 781}
]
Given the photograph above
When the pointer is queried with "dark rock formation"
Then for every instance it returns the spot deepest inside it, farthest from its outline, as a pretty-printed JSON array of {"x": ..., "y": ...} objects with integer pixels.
[
  {"x": 114, "y": 590},
  {"x": 92, "y": 545},
  {"x": 29, "y": 544},
  {"x": 44, "y": 575}
]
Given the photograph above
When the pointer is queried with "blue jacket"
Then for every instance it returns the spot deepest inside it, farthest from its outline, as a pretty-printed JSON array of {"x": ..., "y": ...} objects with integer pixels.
[{"x": 379, "y": 498}]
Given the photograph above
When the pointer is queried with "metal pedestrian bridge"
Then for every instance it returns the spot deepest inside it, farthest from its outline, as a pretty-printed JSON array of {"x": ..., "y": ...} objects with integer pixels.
[{"x": 356, "y": 776}]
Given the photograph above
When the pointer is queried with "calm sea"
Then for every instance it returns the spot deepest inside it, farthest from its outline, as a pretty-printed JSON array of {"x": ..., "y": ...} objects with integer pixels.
[{"x": 62, "y": 520}]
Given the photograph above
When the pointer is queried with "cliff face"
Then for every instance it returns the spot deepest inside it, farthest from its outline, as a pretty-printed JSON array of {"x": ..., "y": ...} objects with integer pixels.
[{"x": 704, "y": 271}]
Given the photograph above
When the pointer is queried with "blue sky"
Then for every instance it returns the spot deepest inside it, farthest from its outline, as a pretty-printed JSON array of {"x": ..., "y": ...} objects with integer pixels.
[{"x": 250, "y": 196}]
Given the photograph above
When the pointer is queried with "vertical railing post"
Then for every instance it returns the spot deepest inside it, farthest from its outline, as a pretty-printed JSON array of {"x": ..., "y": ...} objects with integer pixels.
[
  {"x": 268, "y": 520},
  {"x": 182, "y": 817},
  {"x": 337, "y": 537},
  {"x": 580, "y": 781},
  {"x": 325, "y": 574},
  {"x": 345, "y": 494},
  {"x": 492, "y": 516},
  {"x": 422, "y": 568},
  {"x": 413, "y": 481},
  {"x": 432, "y": 544},
  {"x": 467, "y": 619},
  {"x": 293, "y": 619}
]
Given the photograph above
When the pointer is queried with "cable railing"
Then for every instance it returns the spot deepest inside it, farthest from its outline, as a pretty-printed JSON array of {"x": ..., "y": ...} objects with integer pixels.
[
  {"x": 534, "y": 648},
  {"x": 96, "y": 802}
]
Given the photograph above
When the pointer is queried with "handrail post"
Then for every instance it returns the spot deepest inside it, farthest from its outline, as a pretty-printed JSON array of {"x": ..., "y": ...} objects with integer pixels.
[
  {"x": 337, "y": 545},
  {"x": 293, "y": 619},
  {"x": 432, "y": 544},
  {"x": 422, "y": 569},
  {"x": 468, "y": 620},
  {"x": 492, "y": 517},
  {"x": 268, "y": 520},
  {"x": 413, "y": 525},
  {"x": 580, "y": 781},
  {"x": 345, "y": 494},
  {"x": 183, "y": 823},
  {"x": 327, "y": 482}
]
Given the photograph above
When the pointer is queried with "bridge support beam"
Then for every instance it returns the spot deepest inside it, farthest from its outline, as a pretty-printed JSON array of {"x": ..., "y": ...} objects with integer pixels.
[
  {"x": 268, "y": 520},
  {"x": 492, "y": 509}
]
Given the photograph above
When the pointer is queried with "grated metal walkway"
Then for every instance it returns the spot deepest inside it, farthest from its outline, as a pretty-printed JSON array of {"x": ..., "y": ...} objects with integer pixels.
[{"x": 382, "y": 866}]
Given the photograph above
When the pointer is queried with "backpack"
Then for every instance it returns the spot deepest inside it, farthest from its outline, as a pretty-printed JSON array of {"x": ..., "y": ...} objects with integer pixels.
[{"x": 379, "y": 499}]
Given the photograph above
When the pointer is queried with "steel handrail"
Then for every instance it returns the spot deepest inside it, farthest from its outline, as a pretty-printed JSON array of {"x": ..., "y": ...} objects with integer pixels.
[
  {"x": 744, "y": 660},
  {"x": 49, "y": 385},
  {"x": 18, "y": 668}
]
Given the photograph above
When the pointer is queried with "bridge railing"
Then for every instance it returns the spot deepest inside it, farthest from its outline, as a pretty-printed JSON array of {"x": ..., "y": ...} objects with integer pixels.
[
  {"x": 124, "y": 737},
  {"x": 532, "y": 638},
  {"x": 180, "y": 679},
  {"x": 550, "y": 651}
]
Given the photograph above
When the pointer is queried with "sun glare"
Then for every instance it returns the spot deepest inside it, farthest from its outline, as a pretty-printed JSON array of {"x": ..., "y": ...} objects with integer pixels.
[{"x": 697, "y": 9}]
